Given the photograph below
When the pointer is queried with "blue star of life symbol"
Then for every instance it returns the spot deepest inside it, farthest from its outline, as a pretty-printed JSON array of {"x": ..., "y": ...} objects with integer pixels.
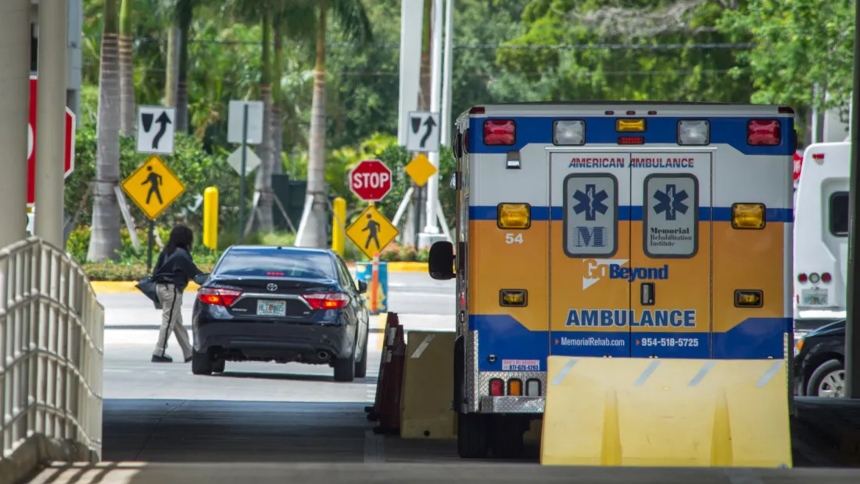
[
  {"x": 671, "y": 201},
  {"x": 590, "y": 202}
]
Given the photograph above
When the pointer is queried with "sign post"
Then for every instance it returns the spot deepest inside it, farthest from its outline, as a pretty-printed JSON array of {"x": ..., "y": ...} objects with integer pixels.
[
  {"x": 244, "y": 126},
  {"x": 153, "y": 187}
]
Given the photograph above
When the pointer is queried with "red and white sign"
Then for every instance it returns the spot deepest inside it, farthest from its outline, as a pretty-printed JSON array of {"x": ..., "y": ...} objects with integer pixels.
[
  {"x": 798, "y": 163},
  {"x": 68, "y": 159},
  {"x": 370, "y": 180}
]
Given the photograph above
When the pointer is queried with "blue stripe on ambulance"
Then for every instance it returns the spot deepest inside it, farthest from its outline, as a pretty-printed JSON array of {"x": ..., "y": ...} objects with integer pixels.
[
  {"x": 634, "y": 213},
  {"x": 730, "y": 131},
  {"x": 503, "y": 336}
]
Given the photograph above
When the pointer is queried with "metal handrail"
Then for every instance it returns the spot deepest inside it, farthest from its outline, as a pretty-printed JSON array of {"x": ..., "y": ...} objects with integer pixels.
[{"x": 51, "y": 351}]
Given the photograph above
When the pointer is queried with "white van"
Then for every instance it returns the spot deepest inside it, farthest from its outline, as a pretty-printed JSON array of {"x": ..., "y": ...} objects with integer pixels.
[{"x": 821, "y": 235}]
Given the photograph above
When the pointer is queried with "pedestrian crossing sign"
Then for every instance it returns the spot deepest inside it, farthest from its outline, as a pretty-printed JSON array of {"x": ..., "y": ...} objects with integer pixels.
[
  {"x": 153, "y": 187},
  {"x": 371, "y": 231}
]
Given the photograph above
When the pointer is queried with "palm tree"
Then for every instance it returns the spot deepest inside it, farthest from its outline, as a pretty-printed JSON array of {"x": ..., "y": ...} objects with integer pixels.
[
  {"x": 126, "y": 68},
  {"x": 355, "y": 25},
  {"x": 104, "y": 236},
  {"x": 180, "y": 13}
]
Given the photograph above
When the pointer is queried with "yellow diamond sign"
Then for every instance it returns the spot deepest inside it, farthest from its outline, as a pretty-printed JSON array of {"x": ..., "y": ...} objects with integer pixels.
[
  {"x": 153, "y": 187},
  {"x": 420, "y": 169},
  {"x": 371, "y": 231}
]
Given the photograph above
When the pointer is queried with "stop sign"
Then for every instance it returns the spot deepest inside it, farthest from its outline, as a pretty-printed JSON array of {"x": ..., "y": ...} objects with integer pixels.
[
  {"x": 370, "y": 180},
  {"x": 68, "y": 158}
]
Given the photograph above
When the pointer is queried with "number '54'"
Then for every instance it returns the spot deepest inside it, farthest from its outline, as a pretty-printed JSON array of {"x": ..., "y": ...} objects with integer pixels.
[{"x": 513, "y": 239}]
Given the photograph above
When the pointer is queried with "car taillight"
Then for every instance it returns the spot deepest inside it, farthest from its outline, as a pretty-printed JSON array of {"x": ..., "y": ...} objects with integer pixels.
[
  {"x": 218, "y": 297},
  {"x": 497, "y": 387},
  {"x": 826, "y": 277},
  {"x": 763, "y": 132},
  {"x": 801, "y": 278},
  {"x": 334, "y": 300},
  {"x": 499, "y": 132}
]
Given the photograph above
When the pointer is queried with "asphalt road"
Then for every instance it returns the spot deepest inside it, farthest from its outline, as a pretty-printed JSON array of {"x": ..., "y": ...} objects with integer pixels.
[{"x": 275, "y": 423}]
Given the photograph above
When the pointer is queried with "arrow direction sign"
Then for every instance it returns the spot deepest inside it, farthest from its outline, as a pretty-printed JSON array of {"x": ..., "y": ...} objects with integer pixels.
[
  {"x": 155, "y": 133},
  {"x": 423, "y": 134}
]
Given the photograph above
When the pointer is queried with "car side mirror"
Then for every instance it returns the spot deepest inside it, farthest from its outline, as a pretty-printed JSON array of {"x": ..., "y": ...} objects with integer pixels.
[
  {"x": 441, "y": 260},
  {"x": 362, "y": 287},
  {"x": 201, "y": 279}
]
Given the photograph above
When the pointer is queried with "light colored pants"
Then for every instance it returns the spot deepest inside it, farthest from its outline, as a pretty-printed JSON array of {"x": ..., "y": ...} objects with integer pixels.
[{"x": 171, "y": 320}]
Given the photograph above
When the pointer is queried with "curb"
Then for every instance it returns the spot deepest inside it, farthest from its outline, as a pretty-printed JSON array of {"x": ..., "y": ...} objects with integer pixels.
[{"x": 118, "y": 287}]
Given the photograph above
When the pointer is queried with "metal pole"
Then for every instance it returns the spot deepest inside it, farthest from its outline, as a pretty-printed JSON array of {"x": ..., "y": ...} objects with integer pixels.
[
  {"x": 14, "y": 104},
  {"x": 435, "y": 84},
  {"x": 242, "y": 172},
  {"x": 447, "y": 79},
  {"x": 149, "y": 245},
  {"x": 852, "y": 326},
  {"x": 51, "y": 121}
]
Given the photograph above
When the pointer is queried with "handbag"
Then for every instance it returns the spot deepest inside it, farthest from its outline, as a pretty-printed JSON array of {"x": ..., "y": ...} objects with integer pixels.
[{"x": 147, "y": 286}]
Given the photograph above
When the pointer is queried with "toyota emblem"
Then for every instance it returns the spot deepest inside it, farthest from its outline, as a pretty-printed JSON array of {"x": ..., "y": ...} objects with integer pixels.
[{"x": 272, "y": 287}]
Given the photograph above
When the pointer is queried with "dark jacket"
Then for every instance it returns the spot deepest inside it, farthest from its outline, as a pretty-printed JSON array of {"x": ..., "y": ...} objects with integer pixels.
[{"x": 176, "y": 267}]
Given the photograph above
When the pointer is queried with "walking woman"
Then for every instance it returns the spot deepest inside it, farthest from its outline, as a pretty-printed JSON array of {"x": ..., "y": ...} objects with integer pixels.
[{"x": 173, "y": 270}]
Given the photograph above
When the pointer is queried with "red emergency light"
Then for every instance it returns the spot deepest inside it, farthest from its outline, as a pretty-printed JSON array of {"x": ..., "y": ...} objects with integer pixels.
[
  {"x": 500, "y": 132},
  {"x": 763, "y": 132}
]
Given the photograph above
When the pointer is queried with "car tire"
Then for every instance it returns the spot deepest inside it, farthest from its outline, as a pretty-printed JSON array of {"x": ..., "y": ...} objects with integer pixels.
[
  {"x": 219, "y": 366},
  {"x": 830, "y": 374},
  {"x": 507, "y": 437},
  {"x": 344, "y": 368},
  {"x": 201, "y": 363},
  {"x": 361, "y": 366}
]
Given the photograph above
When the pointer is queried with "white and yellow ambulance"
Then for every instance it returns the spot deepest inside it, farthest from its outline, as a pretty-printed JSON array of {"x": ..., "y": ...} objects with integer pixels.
[{"x": 622, "y": 230}]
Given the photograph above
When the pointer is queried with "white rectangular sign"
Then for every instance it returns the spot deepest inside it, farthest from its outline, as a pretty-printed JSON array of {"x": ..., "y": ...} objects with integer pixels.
[
  {"x": 155, "y": 129},
  {"x": 255, "y": 122},
  {"x": 423, "y": 131}
]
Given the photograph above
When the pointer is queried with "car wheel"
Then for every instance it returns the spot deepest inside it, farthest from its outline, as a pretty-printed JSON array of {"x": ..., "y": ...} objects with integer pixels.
[
  {"x": 828, "y": 380},
  {"x": 472, "y": 442},
  {"x": 218, "y": 366},
  {"x": 361, "y": 366},
  {"x": 201, "y": 363},
  {"x": 344, "y": 368}
]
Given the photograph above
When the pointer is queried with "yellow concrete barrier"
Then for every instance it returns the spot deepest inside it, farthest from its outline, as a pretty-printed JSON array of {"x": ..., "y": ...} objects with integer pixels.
[
  {"x": 661, "y": 412},
  {"x": 428, "y": 386}
]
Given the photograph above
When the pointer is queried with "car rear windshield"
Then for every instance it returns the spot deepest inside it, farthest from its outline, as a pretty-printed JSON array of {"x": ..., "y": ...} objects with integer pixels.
[
  {"x": 839, "y": 214},
  {"x": 281, "y": 263}
]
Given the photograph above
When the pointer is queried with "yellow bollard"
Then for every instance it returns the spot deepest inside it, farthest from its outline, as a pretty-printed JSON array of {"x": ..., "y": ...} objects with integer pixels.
[
  {"x": 210, "y": 217},
  {"x": 338, "y": 235}
]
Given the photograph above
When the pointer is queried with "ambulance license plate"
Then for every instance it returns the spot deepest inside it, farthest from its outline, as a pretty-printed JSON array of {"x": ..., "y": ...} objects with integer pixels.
[
  {"x": 271, "y": 308},
  {"x": 814, "y": 297}
]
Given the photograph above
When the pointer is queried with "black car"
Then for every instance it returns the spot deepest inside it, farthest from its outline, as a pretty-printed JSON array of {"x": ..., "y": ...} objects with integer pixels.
[
  {"x": 819, "y": 362},
  {"x": 283, "y": 304}
]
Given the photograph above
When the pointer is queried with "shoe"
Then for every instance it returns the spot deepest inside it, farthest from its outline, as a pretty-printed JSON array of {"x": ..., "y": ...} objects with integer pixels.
[
  {"x": 162, "y": 359},
  {"x": 188, "y": 359}
]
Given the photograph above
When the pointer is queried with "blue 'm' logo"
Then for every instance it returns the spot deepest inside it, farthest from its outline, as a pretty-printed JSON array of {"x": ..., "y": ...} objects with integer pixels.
[
  {"x": 671, "y": 202},
  {"x": 590, "y": 202}
]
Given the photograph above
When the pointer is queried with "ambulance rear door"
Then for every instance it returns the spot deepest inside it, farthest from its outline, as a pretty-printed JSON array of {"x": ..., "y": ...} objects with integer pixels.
[
  {"x": 589, "y": 194},
  {"x": 670, "y": 254}
]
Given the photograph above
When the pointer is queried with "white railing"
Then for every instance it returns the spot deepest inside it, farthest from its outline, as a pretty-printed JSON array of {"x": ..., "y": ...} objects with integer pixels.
[{"x": 51, "y": 352}]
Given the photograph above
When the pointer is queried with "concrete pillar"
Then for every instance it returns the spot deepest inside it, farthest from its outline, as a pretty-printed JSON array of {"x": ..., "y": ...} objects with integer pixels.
[
  {"x": 14, "y": 112},
  {"x": 50, "y": 119}
]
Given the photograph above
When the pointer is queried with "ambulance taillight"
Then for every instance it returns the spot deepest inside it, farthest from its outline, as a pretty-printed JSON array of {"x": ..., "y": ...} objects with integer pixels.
[
  {"x": 826, "y": 277},
  {"x": 497, "y": 387},
  {"x": 500, "y": 132},
  {"x": 533, "y": 387},
  {"x": 515, "y": 387},
  {"x": 763, "y": 132},
  {"x": 694, "y": 132}
]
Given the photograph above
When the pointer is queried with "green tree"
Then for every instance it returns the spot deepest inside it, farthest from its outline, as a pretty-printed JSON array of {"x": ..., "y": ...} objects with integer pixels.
[
  {"x": 105, "y": 239},
  {"x": 354, "y": 23},
  {"x": 126, "y": 68},
  {"x": 798, "y": 44}
]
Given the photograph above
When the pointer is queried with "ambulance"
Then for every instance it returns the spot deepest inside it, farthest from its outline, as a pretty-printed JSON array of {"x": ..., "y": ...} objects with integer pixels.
[
  {"x": 617, "y": 230},
  {"x": 821, "y": 235}
]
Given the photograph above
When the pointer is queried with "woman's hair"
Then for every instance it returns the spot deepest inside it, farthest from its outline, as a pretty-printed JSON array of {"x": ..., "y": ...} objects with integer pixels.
[{"x": 182, "y": 237}]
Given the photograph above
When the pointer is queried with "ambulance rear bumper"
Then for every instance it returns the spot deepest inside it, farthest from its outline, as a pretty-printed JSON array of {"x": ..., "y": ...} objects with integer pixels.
[{"x": 531, "y": 405}]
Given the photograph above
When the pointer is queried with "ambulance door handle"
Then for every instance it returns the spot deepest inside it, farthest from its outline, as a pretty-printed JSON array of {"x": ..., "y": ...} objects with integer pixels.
[{"x": 646, "y": 293}]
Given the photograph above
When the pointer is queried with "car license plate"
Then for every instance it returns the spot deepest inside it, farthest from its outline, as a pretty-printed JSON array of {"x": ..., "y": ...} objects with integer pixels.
[
  {"x": 814, "y": 297},
  {"x": 271, "y": 308}
]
